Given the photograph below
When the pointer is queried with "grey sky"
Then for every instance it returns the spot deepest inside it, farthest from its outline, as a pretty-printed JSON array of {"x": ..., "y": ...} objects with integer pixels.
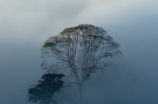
[{"x": 26, "y": 24}]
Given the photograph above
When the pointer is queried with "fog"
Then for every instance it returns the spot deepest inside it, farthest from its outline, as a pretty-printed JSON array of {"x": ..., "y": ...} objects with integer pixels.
[{"x": 132, "y": 78}]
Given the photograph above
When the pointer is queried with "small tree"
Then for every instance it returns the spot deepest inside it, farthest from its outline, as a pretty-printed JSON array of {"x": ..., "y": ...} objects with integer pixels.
[
  {"x": 46, "y": 88},
  {"x": 91, "y": 42}
]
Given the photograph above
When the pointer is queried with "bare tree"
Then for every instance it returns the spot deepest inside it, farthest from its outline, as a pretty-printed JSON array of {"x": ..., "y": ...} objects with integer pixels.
[{"x": 88, "y": 40}]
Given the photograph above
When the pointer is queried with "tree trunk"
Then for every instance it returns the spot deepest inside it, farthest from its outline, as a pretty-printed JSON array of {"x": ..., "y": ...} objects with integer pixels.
[{"x": 80, "y": 91}]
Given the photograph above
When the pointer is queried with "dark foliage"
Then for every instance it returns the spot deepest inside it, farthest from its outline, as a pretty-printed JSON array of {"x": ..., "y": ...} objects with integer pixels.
[{"x": 46, "y": 88}]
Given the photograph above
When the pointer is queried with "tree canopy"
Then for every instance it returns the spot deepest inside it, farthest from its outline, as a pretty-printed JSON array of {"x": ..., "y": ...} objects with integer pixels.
[
  {"x": 87, "y": 39},
  {"x": 46, "y": 88}
]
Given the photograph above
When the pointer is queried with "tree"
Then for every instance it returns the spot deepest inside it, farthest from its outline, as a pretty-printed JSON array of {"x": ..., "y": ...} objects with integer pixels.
[
  {"x": 88, "y": 40},
  {"x": 46, "y": 88}
]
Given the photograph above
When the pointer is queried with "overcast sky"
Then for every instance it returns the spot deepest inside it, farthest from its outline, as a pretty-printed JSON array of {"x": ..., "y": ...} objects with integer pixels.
[{"x": 26, "y": 24}]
